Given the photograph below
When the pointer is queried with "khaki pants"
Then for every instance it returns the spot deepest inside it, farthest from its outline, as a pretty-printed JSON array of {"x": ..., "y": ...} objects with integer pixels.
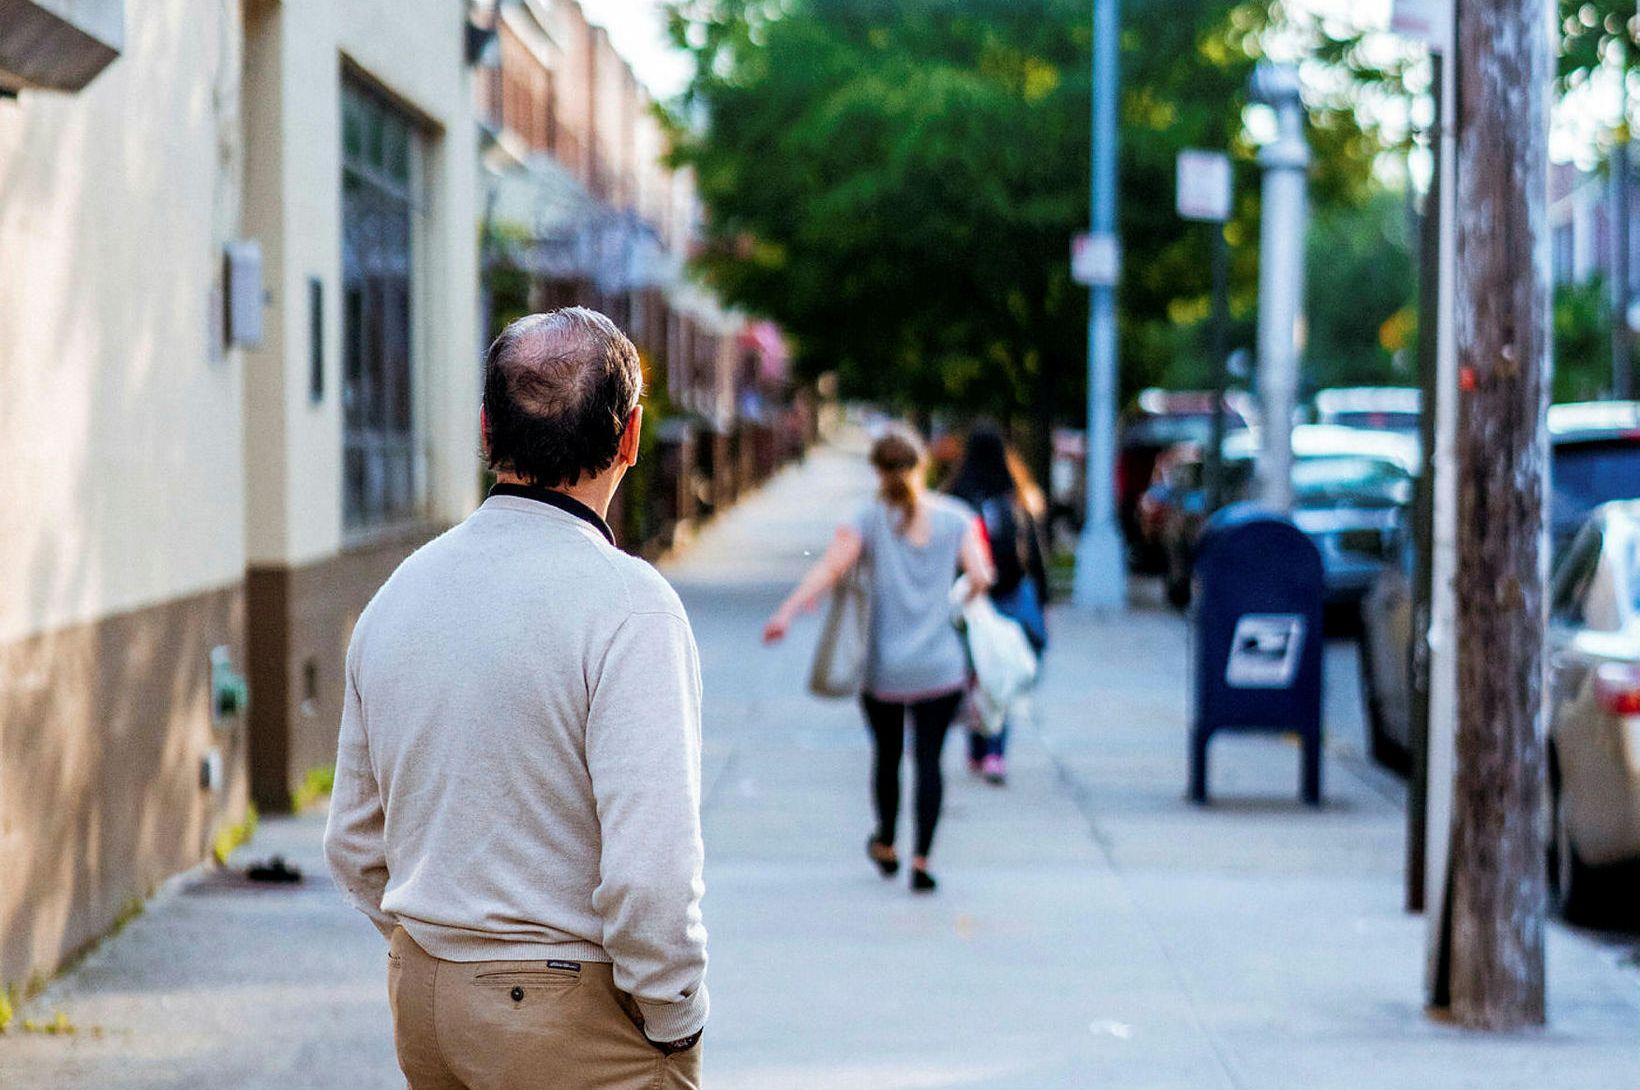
[{"x": 522, "y": 1025}]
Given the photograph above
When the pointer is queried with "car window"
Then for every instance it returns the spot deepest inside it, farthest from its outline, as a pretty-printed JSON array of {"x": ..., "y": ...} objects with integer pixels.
[
  {"x": 1574, "y": 575},
  {"x": 1350, "y": 478},
  {"x": 1586, "y": 475},
  {"x": 1166, "y": 430},
  {"x": 1382, "y": 421},
  {"x": 1631, "y": 569},
  {"x": 1603, "y": 607}
]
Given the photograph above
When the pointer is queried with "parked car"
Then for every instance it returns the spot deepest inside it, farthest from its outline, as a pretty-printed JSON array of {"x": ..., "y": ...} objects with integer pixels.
[
  {"x": 1350, "y": 489},
  {"x": 1594, "y": 705},
  {"x": 1379, "y": 408},
  {"x": 1158, "y": 421},
  {"x": 1594, "y": 457},
  {"x": 1172, "y": 511}
]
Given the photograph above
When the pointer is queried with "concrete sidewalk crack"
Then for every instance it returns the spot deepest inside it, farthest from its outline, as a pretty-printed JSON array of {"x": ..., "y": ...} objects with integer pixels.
[{"x": 1081, "y": 798}]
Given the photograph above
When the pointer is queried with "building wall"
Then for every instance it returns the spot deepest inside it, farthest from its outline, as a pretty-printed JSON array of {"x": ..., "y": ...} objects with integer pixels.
[
  {"x": 121, "y": 478},
  {"x": 412, "y": 51},
  {"x": 116, "y": 426},
  {"x": 572, "y": 89},
  {"x": 309, "y": 576}
]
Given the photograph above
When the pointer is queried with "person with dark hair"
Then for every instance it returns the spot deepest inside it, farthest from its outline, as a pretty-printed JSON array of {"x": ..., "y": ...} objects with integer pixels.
[
  {"x": 994, "y": 481},
  {"x": 913, "y": 543},
  {"x": 517, "y": 793}
]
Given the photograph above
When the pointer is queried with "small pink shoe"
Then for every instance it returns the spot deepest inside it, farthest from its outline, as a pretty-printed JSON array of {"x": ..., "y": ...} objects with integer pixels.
[{"x": 995, "y": 770}]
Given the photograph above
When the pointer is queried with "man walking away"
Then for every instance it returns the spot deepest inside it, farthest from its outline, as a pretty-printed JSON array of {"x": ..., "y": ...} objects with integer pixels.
[{"x": 517, "y": 799}]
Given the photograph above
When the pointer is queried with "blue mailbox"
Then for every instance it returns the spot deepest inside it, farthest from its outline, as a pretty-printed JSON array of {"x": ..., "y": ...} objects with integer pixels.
[{"x": 1258, "y": 637}]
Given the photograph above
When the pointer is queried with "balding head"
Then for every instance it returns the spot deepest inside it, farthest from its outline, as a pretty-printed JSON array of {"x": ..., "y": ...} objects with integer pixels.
[{"x": 558, "y": 391}]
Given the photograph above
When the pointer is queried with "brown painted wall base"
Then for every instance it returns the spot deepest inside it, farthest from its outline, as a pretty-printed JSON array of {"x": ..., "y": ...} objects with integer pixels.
[
  {"x": 103, "y": 729},
  {"x": 300, "y": 620}
]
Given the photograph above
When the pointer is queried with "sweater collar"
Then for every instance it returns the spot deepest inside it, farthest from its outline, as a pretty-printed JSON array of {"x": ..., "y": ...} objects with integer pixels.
[{"x": 566, "y": 503}]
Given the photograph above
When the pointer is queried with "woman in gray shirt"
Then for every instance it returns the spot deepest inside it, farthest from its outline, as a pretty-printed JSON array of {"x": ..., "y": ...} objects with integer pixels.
[{"x": 914, "y": 543}]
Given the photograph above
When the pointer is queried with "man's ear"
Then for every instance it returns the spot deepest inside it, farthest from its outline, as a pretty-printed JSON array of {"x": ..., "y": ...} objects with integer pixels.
[
  {"x": 632, "y": 436},
  {"x": 484, "y": 427}
]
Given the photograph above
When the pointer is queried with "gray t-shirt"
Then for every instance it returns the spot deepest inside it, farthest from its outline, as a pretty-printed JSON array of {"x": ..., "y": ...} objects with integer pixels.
[{"x": 915, "y": 650}]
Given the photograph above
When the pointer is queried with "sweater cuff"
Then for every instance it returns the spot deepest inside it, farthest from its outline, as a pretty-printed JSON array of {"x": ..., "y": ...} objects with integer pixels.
[{"x": 664, "y": 1023}]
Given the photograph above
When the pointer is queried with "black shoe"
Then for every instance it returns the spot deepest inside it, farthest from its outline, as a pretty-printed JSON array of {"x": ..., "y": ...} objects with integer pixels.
[
  {"x": 922, "y": 881},
  {"x": 884, "y": 856}
]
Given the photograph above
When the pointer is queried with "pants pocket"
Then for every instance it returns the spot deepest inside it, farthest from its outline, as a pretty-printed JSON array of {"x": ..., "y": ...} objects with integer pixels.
[
  {"x": 681, "y": 1070},
  {"x": 527, "y": 978}
]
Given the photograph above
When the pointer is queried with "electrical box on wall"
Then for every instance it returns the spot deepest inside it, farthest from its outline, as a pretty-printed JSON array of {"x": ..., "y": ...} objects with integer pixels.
[
  {"x": 243, "y": 293},
  {"x": 230, "y": 695}
]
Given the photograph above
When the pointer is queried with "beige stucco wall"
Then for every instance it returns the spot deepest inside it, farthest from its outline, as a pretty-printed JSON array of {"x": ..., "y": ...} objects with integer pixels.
[
  {"x": 120, "y": 441},
  {"x": 296, "y": 52}
]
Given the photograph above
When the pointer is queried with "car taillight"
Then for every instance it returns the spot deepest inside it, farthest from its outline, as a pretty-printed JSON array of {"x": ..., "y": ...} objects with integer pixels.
[{"x": 1617, "y": 688}]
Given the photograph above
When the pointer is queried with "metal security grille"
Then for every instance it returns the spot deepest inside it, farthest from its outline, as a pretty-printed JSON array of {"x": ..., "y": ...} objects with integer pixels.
[{"x": 379, "y": 156}]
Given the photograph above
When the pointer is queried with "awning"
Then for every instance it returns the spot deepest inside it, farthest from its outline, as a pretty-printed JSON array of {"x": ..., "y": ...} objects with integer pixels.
[
  {"x": 545, "y": 223},
  {"x": 58, "y": 45}
]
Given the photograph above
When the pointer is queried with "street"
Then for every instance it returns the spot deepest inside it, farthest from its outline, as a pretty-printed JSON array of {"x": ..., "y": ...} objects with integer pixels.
[{"x": 1092, "y": 928}]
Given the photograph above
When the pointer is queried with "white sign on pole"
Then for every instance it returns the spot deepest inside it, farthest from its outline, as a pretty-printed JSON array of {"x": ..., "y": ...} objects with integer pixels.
[
  {"x": 1428, "y": 21},
  {"x": 1203, "y": 185},
  {"x": 1096, "y": 260}
]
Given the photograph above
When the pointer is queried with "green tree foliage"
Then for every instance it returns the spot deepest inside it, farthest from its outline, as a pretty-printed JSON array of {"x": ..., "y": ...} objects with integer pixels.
[
  {"x": 886, "y": 179},
  {"x": 1360, "y": 295},
  {"x": 1582, "y": 331},
  {"x": 897, "y": 184},
  {"x": 1589, "y": 29}
]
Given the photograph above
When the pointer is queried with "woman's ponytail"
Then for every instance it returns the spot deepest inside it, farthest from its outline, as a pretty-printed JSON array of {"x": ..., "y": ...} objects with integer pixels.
[{"x": 898, "y": 456}]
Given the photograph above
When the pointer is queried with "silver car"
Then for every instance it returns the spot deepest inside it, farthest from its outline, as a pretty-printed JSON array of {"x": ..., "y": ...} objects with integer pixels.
[
  {"x": 1594, "y": 457},
  {"x": 1351, "y": 487},
  {"x": 1593, "y": 651},
  {"x": 1594, "y": 704}
]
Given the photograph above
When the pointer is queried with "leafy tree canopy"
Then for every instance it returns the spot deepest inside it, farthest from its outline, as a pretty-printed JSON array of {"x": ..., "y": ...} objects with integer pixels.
[
  {"x": 1594, "y": 33},
  {"x": 897, "y": 183}
]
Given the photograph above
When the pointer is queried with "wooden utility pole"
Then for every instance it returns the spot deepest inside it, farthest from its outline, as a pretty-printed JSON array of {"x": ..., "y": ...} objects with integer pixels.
[{"x": 1496, "y": 886}]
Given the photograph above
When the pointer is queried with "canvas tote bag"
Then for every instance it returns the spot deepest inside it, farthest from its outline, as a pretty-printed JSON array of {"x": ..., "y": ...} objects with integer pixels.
[{"x": 839, "y": 669}]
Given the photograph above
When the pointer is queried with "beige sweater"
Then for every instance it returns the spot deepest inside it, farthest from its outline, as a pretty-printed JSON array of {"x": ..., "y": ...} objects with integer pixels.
[{"x": 518, "y": 774}]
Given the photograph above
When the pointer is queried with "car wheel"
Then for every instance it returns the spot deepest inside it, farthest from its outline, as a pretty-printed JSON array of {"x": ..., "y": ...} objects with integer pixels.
[
  {"x": 1385, "y": 750},
  {"x": 1570, "y": 879}
]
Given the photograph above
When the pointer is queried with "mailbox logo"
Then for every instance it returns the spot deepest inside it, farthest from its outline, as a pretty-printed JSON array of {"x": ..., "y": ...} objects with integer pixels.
[{"x": 1264, "y": 652}]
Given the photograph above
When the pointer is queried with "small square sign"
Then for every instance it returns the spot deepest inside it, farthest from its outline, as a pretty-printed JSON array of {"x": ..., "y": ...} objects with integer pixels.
[
  {"x": 1096, "y": 260},
  {"x": 1203, "y": 179}
]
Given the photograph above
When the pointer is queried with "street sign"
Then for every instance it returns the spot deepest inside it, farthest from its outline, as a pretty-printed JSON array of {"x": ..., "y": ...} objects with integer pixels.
[
  {"x": 1427, "y": 21},
  {"x": 1096, "y": 260},
  {"x": 1203, "y": 185}
]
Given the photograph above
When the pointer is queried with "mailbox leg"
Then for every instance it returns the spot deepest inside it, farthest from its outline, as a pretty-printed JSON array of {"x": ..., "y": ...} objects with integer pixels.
[
  {"x": 1312, "y": 768},
  {"x": 1198, "y": 764}
]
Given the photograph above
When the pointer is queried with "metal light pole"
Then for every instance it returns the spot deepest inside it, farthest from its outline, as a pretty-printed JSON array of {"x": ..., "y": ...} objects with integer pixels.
[
  {"x": 1621, "y": 295},
  {"x": 1101, "y": 568},
  {"x": 1281, "y": 278}
]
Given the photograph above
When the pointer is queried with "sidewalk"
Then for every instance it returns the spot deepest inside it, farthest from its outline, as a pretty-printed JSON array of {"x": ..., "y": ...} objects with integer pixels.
[{"x": 1092, "y": 929}]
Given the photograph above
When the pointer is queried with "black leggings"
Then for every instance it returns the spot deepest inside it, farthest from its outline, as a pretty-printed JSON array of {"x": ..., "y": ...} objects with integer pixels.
[{"x": 930, "y": 720}]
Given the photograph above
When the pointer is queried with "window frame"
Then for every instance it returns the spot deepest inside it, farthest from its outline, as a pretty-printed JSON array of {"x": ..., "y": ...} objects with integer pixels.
[{"x": 382, "y": 168}]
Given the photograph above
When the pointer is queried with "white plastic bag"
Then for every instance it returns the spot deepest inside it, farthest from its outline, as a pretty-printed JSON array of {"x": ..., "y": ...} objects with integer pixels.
[{"x": 1004, "y": 663}]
